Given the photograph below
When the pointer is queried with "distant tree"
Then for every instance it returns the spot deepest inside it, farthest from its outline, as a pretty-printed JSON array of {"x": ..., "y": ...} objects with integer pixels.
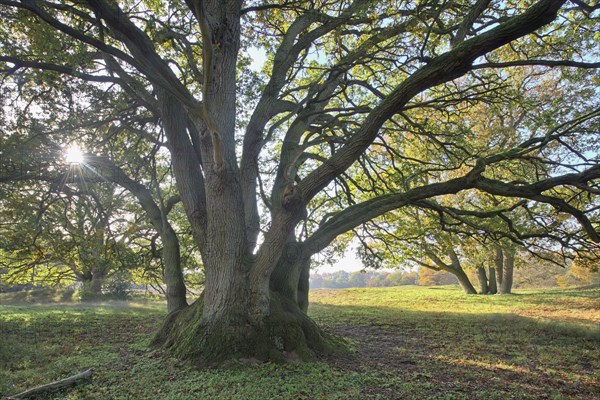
[
  {"x": 580, "y": 273},
  {"x": 535, "y": 272},
  {"x": 376, "y": 280},
  {"x": 409, "y": 278},
  {"x": 426, "y": 277},
  {"x": 52, "y": 236},
  {"x": 357, "y": 279},
  {"x": 393, "y": 279}
]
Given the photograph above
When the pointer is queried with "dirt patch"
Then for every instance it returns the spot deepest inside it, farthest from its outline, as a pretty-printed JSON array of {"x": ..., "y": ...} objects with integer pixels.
[
  {"x": 375, "y": 349},
  {"x": 412, "y": 364}
]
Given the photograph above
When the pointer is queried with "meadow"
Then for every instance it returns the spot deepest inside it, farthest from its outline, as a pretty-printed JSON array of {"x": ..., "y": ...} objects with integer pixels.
[{"x": 405, "y": 343}]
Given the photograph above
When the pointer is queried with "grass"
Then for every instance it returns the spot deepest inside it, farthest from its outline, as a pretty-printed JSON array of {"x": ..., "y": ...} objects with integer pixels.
[{"x": 409, "y": 343}]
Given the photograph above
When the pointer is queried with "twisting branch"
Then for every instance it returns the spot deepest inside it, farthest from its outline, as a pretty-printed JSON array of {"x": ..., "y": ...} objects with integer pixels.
[
  {"x": 535, "y": 192},
  {"x": 62, "y": 69},
  {"x": 468, "y": 22},
  {"x": 443, "y": 68},
  {"x": 545, "y": 63}
]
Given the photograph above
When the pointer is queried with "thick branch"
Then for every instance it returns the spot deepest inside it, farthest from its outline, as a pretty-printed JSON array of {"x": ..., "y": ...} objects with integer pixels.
[
  {"x": 142, "y": 48},
  {"x": 292, "y": 44},
  {"x": 360, "y": 213},
  {"x": 443, "y": 68},
  {"x": 535, "y": 192},
  {"x": 545, "y": 63},
  {"x": 63, "y": 69},
  {"x": 468, "y": 22}
]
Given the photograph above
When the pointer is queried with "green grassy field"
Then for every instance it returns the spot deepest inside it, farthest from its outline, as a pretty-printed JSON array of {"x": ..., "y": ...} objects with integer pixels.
[{"x": 408, "y": 343}]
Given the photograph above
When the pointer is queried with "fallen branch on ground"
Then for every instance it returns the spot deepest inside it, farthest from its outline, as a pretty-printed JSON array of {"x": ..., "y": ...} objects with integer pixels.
[{"x": 51, "y": 386}]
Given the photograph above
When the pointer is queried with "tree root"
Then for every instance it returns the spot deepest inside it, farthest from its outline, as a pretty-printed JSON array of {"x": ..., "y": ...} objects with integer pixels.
[{"x": 287, "y": 335}]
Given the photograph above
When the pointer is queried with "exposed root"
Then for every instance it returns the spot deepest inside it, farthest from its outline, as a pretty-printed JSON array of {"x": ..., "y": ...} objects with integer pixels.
[{"x": 287, "y": 335}]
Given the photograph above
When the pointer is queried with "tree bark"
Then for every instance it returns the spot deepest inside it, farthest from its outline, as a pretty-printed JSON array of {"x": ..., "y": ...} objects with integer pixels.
[
  {"x": 483, "y": 280},
  {"x": 455, "y": 267},
  {"x": 499, "y": 263},
  {"x": 507, "y": 275},
  {"x": 304, "y": 286},
  {"x": 492, "y": 286},
  {"x": 464, "y": 281},
  {"x": 286, "y": 276},
  {"x": 173, "y": 275}
]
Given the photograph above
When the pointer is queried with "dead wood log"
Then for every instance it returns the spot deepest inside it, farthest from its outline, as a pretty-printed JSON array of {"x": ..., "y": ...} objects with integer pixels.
[{"x": 51, "y": 386}]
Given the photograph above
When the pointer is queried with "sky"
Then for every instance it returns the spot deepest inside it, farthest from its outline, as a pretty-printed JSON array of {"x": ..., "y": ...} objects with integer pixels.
[{"x": 348, "y": 263}]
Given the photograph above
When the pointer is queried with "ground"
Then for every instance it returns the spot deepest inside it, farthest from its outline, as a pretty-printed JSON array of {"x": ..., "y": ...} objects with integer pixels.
[{"x": 408, "y": 343}]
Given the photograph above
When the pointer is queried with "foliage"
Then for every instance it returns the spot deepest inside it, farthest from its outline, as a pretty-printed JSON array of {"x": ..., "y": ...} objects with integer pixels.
[
  {"x": 119, "y": 285},
  {"x": 429, "y": 277},
  {"x": 360, "y": 279}
]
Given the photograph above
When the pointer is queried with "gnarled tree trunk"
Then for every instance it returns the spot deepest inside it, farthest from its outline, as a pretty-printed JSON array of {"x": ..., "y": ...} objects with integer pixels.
[
  {"x": 454, "y": 268},
  {"x": 253, "y": 301},
  {"x": 96, "y": 283},
  {"x": 249, "y": 307}
]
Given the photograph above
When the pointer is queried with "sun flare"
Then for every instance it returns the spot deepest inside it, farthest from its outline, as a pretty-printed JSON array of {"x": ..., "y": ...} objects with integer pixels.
[{"x": 73, "y": 155}]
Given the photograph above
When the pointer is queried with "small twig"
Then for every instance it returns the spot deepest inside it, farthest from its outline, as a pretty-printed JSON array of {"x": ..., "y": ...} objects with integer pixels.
[{"x": 54, "y": 385}]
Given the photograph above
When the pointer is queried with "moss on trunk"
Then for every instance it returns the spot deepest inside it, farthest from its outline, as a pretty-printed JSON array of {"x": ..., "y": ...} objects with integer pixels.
[{"x": 286, "y": 334}]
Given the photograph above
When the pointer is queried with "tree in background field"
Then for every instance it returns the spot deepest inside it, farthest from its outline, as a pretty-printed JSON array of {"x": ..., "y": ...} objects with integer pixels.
[
  {"x": 430, "y": 277},
  {"x": 342, "y": 279},
  {"x": 363, "y": 108},
  {"x": 64, "y": 235},
  {"x": 580, "y": 273},
  {"x": 36, "y": 161}
]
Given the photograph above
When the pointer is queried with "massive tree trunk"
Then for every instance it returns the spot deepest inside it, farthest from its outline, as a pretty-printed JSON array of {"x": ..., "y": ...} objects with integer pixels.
[
  {"x": 291, "y": 276},
  {"x": 507, "y": 275},
  {"x": 92, "y": 285},
  {"x": 233, "y": 330},
  {"x": 483, "y": 280},
  {"x": 249, "y": 306},
  {"x": 96, "y": 283}
]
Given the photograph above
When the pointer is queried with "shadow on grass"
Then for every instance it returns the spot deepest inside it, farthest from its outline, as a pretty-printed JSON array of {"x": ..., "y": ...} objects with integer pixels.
[
  {"x": 400, "y": 353},
  {"x": 461, "y": 355}
]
